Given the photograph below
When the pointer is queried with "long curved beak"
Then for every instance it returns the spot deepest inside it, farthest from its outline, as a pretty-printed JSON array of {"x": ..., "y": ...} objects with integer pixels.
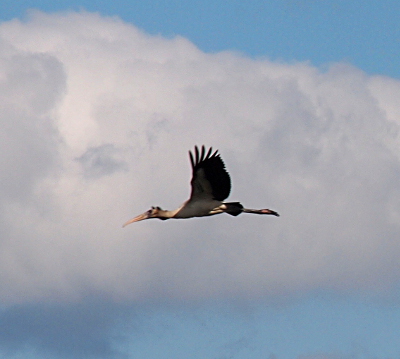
[{"x": 138, "y": 218}]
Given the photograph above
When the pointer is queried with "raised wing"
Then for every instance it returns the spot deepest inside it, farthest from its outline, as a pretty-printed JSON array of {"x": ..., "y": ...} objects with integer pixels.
[{"x": 210, "y": 179}]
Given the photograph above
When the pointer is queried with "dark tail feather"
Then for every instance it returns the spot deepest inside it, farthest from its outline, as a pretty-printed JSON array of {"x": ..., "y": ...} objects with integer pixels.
[
  {"x": 233, "y": 208},
  {"x": 260, "y": 211}
]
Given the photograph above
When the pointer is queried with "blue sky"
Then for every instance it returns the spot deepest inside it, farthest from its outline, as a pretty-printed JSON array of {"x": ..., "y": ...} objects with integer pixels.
[
  {"x": 309, "y": 91},
  {"x": 363, "y": 33}
]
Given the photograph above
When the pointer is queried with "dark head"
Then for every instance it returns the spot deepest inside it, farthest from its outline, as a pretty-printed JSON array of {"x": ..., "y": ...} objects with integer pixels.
[{"x": 153, "y": 212}]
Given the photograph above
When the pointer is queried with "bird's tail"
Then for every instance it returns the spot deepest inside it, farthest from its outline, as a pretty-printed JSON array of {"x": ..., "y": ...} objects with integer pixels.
[{"x": 233, "y": 208}]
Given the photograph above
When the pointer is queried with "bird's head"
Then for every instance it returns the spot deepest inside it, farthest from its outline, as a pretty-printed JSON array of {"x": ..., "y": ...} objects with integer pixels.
[{"x": 153, "y": 212}]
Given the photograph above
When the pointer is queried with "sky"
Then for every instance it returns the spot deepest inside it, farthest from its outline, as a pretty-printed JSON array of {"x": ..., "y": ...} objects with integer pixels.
[{"x": 100, "y": 103}]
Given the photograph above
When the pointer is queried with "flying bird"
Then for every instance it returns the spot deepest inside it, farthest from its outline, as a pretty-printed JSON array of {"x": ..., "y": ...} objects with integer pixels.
[{"x": 211, "y": 185}]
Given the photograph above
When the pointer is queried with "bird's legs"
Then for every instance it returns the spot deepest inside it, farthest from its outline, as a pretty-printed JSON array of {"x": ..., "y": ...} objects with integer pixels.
[{"x": 260, "y": 211}]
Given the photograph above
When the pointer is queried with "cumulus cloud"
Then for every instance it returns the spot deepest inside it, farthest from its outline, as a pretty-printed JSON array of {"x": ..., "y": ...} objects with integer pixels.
[
  {"x": 97, "y": 118},
  {"x": 100, "y": 161}
]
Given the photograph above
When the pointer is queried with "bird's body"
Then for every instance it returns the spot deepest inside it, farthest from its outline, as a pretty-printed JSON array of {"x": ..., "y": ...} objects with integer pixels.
[
  {"x": 211, "y": 185},
  {"x": 199, "y": 208}
]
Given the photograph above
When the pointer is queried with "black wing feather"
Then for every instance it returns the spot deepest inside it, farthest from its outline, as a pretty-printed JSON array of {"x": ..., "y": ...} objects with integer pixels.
[
  {"x": 196, "y": 150},
  {"x": 191, "y": 159},
  {"x": 213, "y": 169}
]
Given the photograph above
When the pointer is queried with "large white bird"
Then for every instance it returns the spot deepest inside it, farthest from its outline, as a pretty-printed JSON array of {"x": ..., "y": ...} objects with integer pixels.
[{"x": 211, "y": 184}]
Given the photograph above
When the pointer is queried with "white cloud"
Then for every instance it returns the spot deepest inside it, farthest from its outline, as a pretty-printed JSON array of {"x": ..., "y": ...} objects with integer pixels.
[{"x": 97, "y": 118}]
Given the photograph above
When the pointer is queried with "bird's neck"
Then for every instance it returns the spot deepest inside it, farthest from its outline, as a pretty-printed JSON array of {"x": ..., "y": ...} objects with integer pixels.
[{"x": 168, "y": 214}]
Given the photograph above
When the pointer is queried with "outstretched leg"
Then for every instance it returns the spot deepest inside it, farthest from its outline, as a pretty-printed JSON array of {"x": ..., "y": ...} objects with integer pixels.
[
  {"x": 235, "y": 208},
  {"x": 260, "y": 211}
]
